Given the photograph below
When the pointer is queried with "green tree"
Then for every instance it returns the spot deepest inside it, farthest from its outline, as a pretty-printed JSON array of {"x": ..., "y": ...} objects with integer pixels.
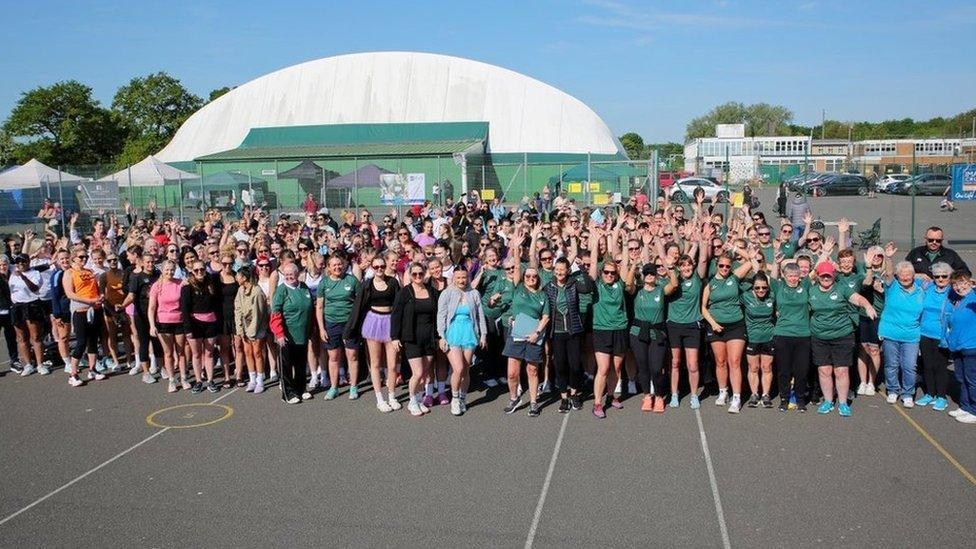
[
  {"x": 63, "y": 124},
  {"x": 153, "y": 108},
  {"x": 214, "y": 94},
  {"x": 761, "y": 119},
  {"x": 7, "y": 149},
  {"x": 634, "y": 145}
]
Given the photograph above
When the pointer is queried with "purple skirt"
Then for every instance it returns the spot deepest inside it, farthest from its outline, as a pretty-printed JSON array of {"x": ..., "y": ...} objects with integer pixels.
[{"x": 376, "y": 326}]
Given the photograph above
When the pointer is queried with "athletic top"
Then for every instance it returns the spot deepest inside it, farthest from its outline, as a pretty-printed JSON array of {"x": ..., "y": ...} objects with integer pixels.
[
  {"x": 338, "y": 297},
  {"x": 19, "y": 292},
  {"x": 723, "y": 299},
  {"x": 382, "y": 298},
  {"x": 85, "y": 285},
  {"x": 167, "y": 296},
  {"x": 609, "y": 310},
  {"x": 792, "y": 308},
  {"x": 684, "y": 305}
]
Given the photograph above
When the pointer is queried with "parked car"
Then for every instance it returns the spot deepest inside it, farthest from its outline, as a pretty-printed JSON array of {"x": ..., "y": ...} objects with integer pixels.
[
  {"x": 839, "y": 184},
  {"x": 887, "y": 183},
  {"x": 933, "y": 184},
  {"x": 800, "y": 182},
  {"x": 684, "y": 190}
]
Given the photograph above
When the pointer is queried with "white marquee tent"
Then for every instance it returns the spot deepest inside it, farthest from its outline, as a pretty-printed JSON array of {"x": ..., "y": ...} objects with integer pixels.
[
  {"x": 34, "y": 175},
  {"x": 150, "y": 172}
]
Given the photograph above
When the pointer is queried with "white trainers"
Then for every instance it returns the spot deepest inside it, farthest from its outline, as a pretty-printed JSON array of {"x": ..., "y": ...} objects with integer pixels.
[
  {"x": 869, "y": 389},
  {"x": 313, "y": 383},
  {"x": 28, "y": 370},
  {"x": 294, "y": 400},
  {"x": 723, "y": 398},
  {"x": 503, "y": 381},
  {"x": 306, "y": 396},
  {"x": 394, "y": 403},
  {"x": 736, "y": 405},
  {"x": 414, "y": 409},
  {"x": 892, "y": 398},
  {"x": 456, "y": 406},
  {"x": 966, "y": 418},
  {"x": 423, "y": 408},
  {"x": 154, "y": 369},
  {"x": 148, "y": 378},
  {"x": 135, "y": 369},
  {"x": 908, "y": 402},
  {"x": 862, "y": 389},
  {"x": 957, "y": 412},
  {"x": 75, "y": 382},
  {"x": 382, "y": 406},
  {"x": 619, "y": 388},
  {"x": 43, "y": 369},
  {"x": 491, "y": 383}
]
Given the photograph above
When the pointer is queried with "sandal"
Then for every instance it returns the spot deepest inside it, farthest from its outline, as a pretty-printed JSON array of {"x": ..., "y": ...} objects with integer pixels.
[
  {"x": 241, "y": 383},
  {"x": 228, "y": 384}
]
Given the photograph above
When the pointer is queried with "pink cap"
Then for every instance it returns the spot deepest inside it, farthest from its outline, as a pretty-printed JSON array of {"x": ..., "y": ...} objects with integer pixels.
[{"x": 826, "y": 268}]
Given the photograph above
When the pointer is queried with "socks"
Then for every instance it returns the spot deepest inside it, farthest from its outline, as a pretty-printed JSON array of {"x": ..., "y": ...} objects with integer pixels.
[
  {"x": 379, "y": 397},
  {"x": 413, "y": 399},
  {"x": 261, "y": 379},
  {"x": 441, "y": 386},
  {"x": 429, "y": 389},
  {"x": 251, "y": 376}
]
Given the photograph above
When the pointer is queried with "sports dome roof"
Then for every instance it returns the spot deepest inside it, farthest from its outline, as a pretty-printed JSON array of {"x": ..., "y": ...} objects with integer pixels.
[{"x": 524, "y": 114}]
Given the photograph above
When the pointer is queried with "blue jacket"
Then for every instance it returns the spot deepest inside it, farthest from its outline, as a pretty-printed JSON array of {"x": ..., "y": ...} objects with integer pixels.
[
  {"x": 932, "y": 307},
  {"x": 60, "y": 304},
  {"x": 959, "y": 322}
]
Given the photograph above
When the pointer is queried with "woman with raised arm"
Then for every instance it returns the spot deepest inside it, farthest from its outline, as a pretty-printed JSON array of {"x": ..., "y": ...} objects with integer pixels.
[
  {"x": 530, "y": 304},
  {"x": 684, "y": 316},
  {"x": 901, "y": 329},
  {"x": 759, "y": 309},
  {"x": 648, "y": 333}
]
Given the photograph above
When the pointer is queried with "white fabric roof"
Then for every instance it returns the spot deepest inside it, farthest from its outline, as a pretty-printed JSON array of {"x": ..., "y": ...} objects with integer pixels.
[
  {"x": 149, "y": 172},
  {"x": 524, "y": 114},
  {"x": 33, "y": 175}
]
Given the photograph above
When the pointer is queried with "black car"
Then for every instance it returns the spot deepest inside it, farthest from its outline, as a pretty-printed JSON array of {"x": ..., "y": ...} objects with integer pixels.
[
  {"x": 933, "y": 184},
  {"x": 839, "y": 184}
]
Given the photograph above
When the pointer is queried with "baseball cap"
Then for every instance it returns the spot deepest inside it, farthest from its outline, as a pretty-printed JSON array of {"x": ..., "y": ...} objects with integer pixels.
[{"x": 826, "y": 268}]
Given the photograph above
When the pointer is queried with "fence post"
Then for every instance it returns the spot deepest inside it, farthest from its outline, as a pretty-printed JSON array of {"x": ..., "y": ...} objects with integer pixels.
[
  {"x": 586, "y": 188},
  {"x": 61, "y": 197},
  {"x": 355, "y": 180},
  {"x": 653, "y": 178}
]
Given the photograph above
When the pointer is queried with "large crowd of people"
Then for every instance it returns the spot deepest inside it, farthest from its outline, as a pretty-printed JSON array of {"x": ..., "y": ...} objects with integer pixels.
[{"x": 547, "y": 301}]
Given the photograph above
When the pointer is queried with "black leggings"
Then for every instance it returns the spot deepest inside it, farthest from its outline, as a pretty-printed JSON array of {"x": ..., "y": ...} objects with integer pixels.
[
  {"x": 7, "y": 325},
  {"x": 141, "y": 324},
  {"x": 87, "y": 333},
  {"x": 935, "y": 366},
  {"x": 494, "y": 365},
  {"x": 293, "y": 368},
  {"x": 651, "y": 358},
  {"x": 567, "y": 361},
  {"x": 792, "y": 359}
]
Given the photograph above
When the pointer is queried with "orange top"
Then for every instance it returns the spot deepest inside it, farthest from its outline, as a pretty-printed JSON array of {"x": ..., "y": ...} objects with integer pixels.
[
  {"x": 113, "y": 287},
  {"x": 84, "y": 283}
]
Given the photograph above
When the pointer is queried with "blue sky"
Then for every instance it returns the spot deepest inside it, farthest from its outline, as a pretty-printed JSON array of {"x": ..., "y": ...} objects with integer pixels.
[{"x": 645, "y": 66}]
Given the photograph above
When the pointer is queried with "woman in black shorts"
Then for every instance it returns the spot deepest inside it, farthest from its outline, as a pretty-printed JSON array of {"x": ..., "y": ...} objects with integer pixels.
[
  {"x": 684, "y": 324},
  {"x": 726, "y": 329},
  {"x": 759, "y": 308},
  {"x": 198, "y": 301},
  {"x": 231, "y": 345},
  {"x": 413, "y": 327}
]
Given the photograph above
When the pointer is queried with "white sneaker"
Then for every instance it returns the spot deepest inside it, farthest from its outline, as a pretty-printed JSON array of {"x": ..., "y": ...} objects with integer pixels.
[
  {"x": 43, "y": 369},
  {"x": 394, "y": 403},
  {"x": 908, "y": 402},
  {"x": 423, "y": 408},
  {"x": 892, "y": 398},
  {"x": 456, "y": 406},
  {"x": 28, "y": 370},
  {"x": 148, "y": 378},
  {"x": 967, "y": 418},
  {"x": 632, "y": 388},
  {"x": 273, "y": 377},
  {"x": 619, "y": 388},
  {"x": 313, "y": 383},
  {"x": 491, "y": 383},
  {"x": 135, "y": 369},
  {"x": 958, "y": 412},
  {"x": 736, "y": 405},
  {"x": 414, "y": 409},
  {"x": 306, "y": 396},
  {"x": 154, "y": 369},
  {"x": 67, "y": 367},
  {"x": 723, "y": 398},
  {"x": 869, "y": 389},
  {"x": 294, "y": 400},
  {"x": 862, "y": 389},
  {"x": 383, "y": 406},
  {"x": 164, "y": 374},
  {"x": 75, "y": 382}
]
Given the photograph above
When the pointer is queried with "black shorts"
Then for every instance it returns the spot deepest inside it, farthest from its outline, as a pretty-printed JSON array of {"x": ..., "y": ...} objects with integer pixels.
[
  {"x": 172, "y": 328},
  {"x": 47, "y": 306},
  {"x": 611, "y": 342},
  {"x": 833, "y": 352},
  {"x": 867, "y": 330},
  {"x": 202, "y": 330},
  {"x": 228, "y": 326},
  {"x": 424, "y": 343},
  {"x": 33, "y": 311},
  {"x": 64, "y": 317},
  {"x": 730, "y": 332},
  {"x": 684, "y": 336},
  {"x": 335, "y": 331},
  {"x": 756, "y": 349}
]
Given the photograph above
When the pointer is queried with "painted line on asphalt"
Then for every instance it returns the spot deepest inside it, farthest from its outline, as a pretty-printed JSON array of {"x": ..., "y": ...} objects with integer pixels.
[
  {"x": 95, "y": 469},
  {"x": 723, "y": 528},
  {"x": 935, "y": 444},
  {"x": 545, "y": 486}
]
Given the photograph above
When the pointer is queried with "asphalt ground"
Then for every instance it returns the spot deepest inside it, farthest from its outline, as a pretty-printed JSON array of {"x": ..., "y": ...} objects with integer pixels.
[{"x": 83, "y": 468}]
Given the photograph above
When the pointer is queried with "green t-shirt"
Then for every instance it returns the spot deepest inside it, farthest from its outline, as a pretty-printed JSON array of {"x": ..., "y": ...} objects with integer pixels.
[
  {"x": 501, "y": 286},
  {"x": 876, "y": 298},
  {"x": 853, "y": 281},
  {"x": 490, "y": 277},
  {"x": 759, "y": 315},
  {"x": 792, "y": 308},
  {"x": 609, "y": 309},
  {"x": 585, "y": 297},
  {"x": 534, "y": 304},
  {"x": 788, "y": 249},
  {"x": 545, "y": 277},
  {"x": 769, "y": 254},
  {"x": 295, "y": 305},
  {"x": 684, "y": 305},
  {"x": 830, "y": 312},
  {"x": 723, "y": 299},
  {"x": 339, "y": 296},
  {"x": 562, "y": 304},
  {"x": 650, "y": 305}
]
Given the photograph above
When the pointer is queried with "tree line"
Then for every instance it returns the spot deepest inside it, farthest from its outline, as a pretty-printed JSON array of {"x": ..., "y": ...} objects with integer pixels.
[{"x": 63, "y": 124}]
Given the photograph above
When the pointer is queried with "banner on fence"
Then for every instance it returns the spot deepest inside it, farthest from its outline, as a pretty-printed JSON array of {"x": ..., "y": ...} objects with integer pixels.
[
  {"x": 964, "y": 182},
  {"x": 397, "y": 189}
]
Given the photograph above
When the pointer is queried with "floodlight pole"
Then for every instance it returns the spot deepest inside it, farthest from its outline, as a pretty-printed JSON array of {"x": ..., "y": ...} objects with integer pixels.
[
  {"x": 914, "y": 190},
  {"x": 61, "y": 198}
]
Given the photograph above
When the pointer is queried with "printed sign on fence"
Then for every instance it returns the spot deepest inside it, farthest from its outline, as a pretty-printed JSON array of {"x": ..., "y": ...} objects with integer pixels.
[
  {"x": 964, "y": 182},
  {"x": 575, "y": 188}
]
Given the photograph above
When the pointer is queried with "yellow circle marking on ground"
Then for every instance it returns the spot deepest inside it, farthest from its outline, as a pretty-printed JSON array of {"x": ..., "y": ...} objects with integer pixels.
[{"x": 151, "y": 418}]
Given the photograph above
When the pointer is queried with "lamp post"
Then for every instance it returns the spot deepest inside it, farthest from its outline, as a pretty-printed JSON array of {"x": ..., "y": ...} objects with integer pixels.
[{"x": 914, "y": 191}]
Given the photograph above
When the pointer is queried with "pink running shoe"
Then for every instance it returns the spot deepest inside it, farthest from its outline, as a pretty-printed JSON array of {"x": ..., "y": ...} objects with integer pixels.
[
  {"x": 598, "y": 411},
  {"x": 616, "y": 404}
]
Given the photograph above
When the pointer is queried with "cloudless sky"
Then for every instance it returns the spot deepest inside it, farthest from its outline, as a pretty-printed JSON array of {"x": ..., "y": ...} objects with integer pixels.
[{"x": 644, "y": 66}]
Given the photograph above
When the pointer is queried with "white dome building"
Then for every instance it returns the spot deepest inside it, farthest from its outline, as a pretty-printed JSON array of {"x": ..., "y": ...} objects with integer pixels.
[{"x": 524, "y": 115}]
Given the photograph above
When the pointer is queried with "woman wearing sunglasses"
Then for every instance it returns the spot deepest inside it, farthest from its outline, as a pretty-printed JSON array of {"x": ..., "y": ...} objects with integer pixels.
[
  {"x": 529, "y": 304},
  {"x": 86, "y": 315},
  {"x": 291, "y": 312},
  {"x": 198, "y": 301},
  {"x": 413, "y": 329},
  {"x": 370, "y": 317},
  {"x": 833, "y": 336},
  {"x": 935, "y": 358},
  {"x": 437, "y": 380},
  {"x": 759, "y": 310},
  {"x": 726, "y": 329},
  {"x": 462, "y": 327},
  {"x": 231, "y": 346}
]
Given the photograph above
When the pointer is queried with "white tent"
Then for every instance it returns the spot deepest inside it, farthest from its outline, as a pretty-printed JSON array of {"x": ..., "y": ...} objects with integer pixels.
[
  {"x": 150, "y": 172},
  {"x": 33, "y": 175}
]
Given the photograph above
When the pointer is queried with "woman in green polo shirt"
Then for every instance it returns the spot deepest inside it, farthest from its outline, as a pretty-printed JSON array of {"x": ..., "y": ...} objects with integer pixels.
[
  {"x": 758, "y": 306},
  {"x": 791, "y": 333},
  {"x": 291, "y": 311},
  {"x": 648, "y": 336},
  {"x": 609, "y": 321},
  {"x": 529, "y": 301},
  {"x": 491, "y": 279},
  {"x": 833, "y": 335},
  {"x": 684, "y": 318},
  {"x": 334, "y": 300},
  {"x": 726, "y": 329}
]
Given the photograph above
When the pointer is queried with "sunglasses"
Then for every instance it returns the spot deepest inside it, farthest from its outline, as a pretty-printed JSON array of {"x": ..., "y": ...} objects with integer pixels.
[
  {"x": 112, "y": 260},
  {"x": 668, "y": 234},
  {"x": 76, "y": 257},
  {"x": 826, "y": 276},
  {"x": 725, "y": 266},
  {"x": 198, "y": 271},
  {"x": 940, "y": 277},
  {"x": 547, "y": 258},
  {"x": 509, "y": 269},
  {"x": 417, "y": 274},
  {"x": 767, "y": 233},
  {"x": 758, "y": 288},
  {"x": 813, "y": 239},
  {"x": 214, "y": 252},
  {"x": 302, "y": 249},
  {"x": 531, "y": 276},
  {"x": 934, "y": 240},
  {"x": 227, "y": 264},
  {"x": 606, "y": 272},
  {"x": 633, "y": 249},
  {"x": 379, "y": 266}
]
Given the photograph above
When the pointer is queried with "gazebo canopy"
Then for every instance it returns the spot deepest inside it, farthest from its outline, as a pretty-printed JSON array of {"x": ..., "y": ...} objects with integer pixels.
[
  {"x": 33, "y": 175},
  {"x": 150, "y": 172},
  {"x": 367, "y": 176}
]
